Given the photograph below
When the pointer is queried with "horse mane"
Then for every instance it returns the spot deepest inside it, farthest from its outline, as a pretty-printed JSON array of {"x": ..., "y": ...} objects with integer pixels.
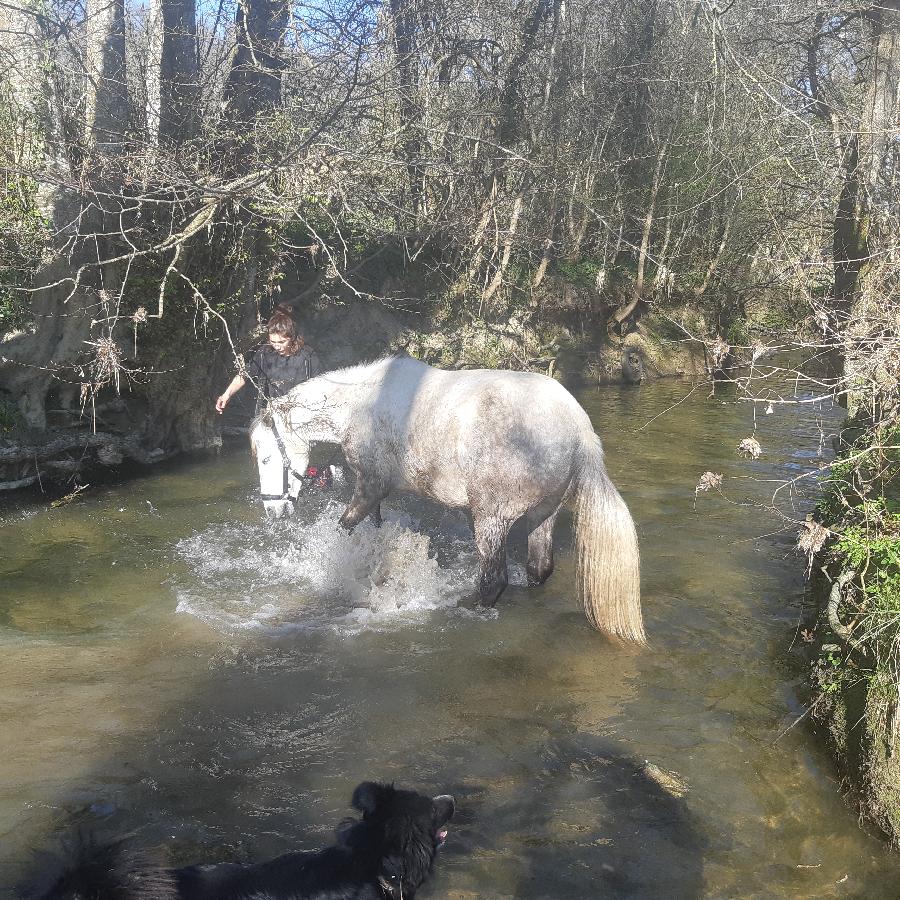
[{"x": 369, "y": 373}]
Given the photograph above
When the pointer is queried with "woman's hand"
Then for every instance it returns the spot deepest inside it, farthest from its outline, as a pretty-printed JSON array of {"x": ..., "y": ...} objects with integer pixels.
[{"x": 236, "y": 384}]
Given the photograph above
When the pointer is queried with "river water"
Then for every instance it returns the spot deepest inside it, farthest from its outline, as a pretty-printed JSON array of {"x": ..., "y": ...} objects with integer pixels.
[{"x": 173, "y": 666}]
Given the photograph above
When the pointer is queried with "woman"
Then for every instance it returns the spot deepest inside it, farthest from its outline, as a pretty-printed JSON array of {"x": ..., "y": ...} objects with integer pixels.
[{"x": 275, "y": 367}]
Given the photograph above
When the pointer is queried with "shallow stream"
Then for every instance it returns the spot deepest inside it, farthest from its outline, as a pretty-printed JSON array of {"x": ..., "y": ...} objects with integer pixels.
[{"x": 173, "y": 666}]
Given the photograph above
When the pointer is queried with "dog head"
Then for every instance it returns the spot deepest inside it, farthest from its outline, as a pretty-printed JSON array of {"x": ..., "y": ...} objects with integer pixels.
[{"x": 402, "y": 830}]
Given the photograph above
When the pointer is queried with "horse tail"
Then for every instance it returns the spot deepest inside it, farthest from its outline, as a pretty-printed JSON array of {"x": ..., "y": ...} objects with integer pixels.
[{"x": 607, "y": 561}]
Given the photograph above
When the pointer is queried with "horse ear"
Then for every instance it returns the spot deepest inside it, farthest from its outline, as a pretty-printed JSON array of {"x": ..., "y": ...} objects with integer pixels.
[{"x": 366, "y": 797}]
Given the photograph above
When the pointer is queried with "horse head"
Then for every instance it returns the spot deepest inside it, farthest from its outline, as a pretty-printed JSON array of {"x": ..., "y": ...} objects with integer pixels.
[{"x": 281, "y": 457}]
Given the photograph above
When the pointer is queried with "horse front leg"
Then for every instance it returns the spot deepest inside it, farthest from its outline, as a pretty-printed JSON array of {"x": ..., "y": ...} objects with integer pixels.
[
  {"x": 365, "y": 502},
  {"x": 490, "y": 541}
]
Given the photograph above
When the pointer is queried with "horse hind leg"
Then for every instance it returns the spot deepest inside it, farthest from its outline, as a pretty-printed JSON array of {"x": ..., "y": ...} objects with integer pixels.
[
  {"x": 540, "y": 545},
  {"x": 490, "y": 541}
]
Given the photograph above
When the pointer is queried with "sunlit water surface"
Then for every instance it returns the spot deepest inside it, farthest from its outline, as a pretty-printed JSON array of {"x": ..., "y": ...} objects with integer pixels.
[{"x": 173, "y": 666}]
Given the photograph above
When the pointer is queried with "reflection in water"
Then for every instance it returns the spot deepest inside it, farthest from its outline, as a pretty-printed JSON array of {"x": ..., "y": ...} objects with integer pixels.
[{"x": 174, "y": 666}]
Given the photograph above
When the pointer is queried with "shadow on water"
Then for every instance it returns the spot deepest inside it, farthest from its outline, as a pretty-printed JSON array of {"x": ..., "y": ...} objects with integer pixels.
[
  {"x": 263, "y": 754},
  {"x": 592, "y": 819}
]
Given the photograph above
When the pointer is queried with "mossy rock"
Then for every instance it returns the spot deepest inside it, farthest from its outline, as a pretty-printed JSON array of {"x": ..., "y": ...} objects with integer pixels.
[{"x": 352, "y": 330}]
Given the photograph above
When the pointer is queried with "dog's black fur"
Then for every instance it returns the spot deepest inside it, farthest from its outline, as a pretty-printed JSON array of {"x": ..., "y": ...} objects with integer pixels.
[{"x": 386, "y": 855}]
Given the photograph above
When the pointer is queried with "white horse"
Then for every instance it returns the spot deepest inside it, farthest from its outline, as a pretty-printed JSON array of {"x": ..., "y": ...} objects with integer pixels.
[{"x": 502, "y": 444}]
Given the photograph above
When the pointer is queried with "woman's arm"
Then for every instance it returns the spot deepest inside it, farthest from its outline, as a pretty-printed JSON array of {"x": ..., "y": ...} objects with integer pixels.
[{"x": 236, "y": 384}]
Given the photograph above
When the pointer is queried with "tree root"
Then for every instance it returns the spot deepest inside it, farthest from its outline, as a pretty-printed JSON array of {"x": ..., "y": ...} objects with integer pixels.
[
  {"x": 841, "y": 631},
  {"x": 18, "y": 483},
  {"x": 23, "y": 464}
]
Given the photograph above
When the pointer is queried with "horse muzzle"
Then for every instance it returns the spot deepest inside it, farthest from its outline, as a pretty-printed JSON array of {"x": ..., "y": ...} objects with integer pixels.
[{"x": 278, "y": 507}]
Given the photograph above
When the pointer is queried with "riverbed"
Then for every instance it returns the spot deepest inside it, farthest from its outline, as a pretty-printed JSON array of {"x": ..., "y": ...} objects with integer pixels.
[{"x": 173, "y": 666}]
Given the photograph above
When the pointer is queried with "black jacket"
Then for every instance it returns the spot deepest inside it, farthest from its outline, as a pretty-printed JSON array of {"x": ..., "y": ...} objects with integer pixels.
[{"x": 274, "y": 375}]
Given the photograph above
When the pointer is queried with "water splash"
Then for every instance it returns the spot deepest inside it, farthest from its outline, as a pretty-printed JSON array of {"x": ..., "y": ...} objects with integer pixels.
[{"x": 309, "y": 572}]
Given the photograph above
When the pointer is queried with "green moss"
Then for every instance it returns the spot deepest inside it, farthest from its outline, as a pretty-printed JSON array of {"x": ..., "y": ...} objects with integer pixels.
[
  {"x": 582, "y": 272},
  {"x": 882, "y": 760}
]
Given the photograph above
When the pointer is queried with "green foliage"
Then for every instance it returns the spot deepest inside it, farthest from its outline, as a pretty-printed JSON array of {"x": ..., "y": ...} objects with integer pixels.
[
  {"x": 9, "y": 416},
  {"x": 778, "y": 315},
  {"x": 832, "y": 672},
  {"x": 519, "y": 274},
  {"x": 737, "y": 334},
  {"x": 13, "y": 309},
  {"x": 582, "y": 271},
  {"x": 871, "y": 546},
  {"x": 23, "y": 235}
]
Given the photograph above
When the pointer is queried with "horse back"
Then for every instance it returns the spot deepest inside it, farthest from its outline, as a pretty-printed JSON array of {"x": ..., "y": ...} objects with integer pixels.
[{"x": 485, "y": 433}]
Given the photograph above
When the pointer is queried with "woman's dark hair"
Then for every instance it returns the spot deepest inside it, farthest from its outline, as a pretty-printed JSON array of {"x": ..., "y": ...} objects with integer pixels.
[{"x": 281, "y": 322}]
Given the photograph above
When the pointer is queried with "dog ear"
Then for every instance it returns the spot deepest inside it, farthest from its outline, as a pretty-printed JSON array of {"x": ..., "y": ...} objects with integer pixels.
[
  {"x": 366, "y": 797},
  {"x": 444, "y": 807}
]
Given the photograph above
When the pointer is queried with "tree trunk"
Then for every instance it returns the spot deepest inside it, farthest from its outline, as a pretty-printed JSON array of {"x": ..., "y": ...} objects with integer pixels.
[
  {"x": 253, "y": 87},
  {"x": 863, "y": 161},
  {"x": 856, "y": 232},
  {"x": 637, "y": 295},
  {"x": 106, "y": 93},
  {"x": 411, "y": 111},
  {"x": 507, "y": 132},
  {"x": 639, "y": 120},
  {"x": 181, "y": 410},
  {"x": 173, "y": 78},
  {"x": 34, "y": 360}
]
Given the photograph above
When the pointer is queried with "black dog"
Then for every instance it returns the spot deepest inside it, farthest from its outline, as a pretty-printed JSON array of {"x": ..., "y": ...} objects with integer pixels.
[{"x": 386, "y": 855}]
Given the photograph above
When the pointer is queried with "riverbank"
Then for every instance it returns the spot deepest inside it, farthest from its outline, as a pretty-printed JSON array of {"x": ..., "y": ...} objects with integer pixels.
[
  {"x": 124, "y": 427},
  {"x": 855, "y": 671}
]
